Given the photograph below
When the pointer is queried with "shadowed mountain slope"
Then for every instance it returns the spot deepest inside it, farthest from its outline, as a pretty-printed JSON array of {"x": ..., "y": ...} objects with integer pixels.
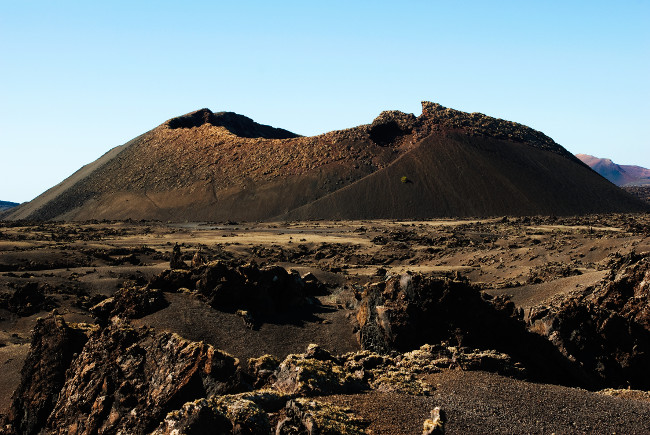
[
  {"x": 219, "y": 166},
  {"x": 456, "y": 175}
]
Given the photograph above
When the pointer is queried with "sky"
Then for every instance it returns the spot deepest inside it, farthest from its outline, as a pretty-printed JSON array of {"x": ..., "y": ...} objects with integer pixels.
[{"x": 78, "y": 78}]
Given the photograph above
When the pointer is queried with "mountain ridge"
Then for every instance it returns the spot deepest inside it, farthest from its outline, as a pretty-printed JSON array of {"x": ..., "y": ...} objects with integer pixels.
[
  {"x": 6, "y": 205},
  {"x": 219, "y": 166},
  {"x": 621, "y": 175}
]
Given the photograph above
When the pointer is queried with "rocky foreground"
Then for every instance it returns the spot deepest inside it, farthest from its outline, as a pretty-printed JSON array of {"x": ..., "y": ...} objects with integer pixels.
[
  {"x": 113, "y": 376},
  {"x": 506, "y": 325}
]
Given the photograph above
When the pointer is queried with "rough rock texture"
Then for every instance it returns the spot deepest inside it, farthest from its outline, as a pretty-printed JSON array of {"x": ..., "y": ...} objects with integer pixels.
[
  {"x": 436, "y": 424},
  {"x": 27, "y": 299},
  {"x": 313, "y": 417},
  {"x": 238, "y": 125},
  {"x": 286, "y": 405},
  {"x": 317, "y": 372},
  {"x": 605, "y": 328},
  {"x": 176, "y": 259},
  {"x": 390, "y": 125},
  {"x": 244, "y": 413},
  {"x": 231, "y": 287},
  {"x": 127, "y": 379},
  {"x": 195, "y": 418},
  {"x": 627, "y": 393},
  {"x": 54, "y": 345},
  {"x": 262, "y": 369},
  {"x": 130, "y": 303},
  {"x": 478, "y": 124},
  {"x": 410, "y": 310},
  {"x": 257, "y": 413}
]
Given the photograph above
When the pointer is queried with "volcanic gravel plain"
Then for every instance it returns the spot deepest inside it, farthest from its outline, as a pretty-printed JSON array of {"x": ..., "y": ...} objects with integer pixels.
[{"x": 470, "y": 315}]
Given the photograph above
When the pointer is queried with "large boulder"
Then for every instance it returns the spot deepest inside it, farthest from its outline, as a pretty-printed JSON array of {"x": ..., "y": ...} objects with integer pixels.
[
  {"x": 54, "y": 345},
  {"x": 605, "y": 328},
  {"x": 130, "y": 303},
  {"x": 408, "y": 311},
  {"x": 27, "y": 299},
  {"x": 126, "y": 380},
  {"x": 228, "y": 286},
  {"x": 243, "y": 413},
  {"x": 312, "y": 417}
]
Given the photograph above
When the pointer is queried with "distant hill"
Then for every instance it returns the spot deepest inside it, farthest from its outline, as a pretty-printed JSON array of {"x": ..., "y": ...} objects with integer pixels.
[
  {"x": 207, "y": 166},
  {"x": 6, "y": 205},
  {"x": 621, "y": 175}
]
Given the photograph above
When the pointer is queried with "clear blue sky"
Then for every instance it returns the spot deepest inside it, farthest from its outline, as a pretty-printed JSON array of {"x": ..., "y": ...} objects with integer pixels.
[{"x": 78, "y": 78}]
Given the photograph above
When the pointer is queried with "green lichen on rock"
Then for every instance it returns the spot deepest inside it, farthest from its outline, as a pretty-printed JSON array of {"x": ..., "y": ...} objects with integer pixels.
[
  {"x": 197, "y": 417},
  {"x": 268, "y": 399},
  {"x": 316, "y": 372},
  {"x": 431, "y": 358},
  {"x": 305, "y": 415},
  {"x": 436, "y": 424},
  {"x": 263, "y": 369},
  {"x": 265, "y": 362},
  {"x": 627, "y": 393},
  {"x": 287, "y": 403},
  {"x": 401, "y": 381},
  {"x": 240, "y": 413},
  {"x": 386, "y": 374},
  {"x": 245, "y": 415},
  {"x": 299, "y": 374}
]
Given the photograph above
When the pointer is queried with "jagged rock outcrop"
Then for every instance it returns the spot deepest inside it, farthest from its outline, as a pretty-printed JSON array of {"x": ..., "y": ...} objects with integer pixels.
[
  {"x": 134, "y": 380},
  {"x": 263, "y": 369},
  {"x": 313, "y": 417},
  {"x": 605, "y": 328},
  {"x": 313, "y": 373},
  {"x": 436, "y": 424},
  {"x": 285, "y": 405},
  {"x": 408, "y": 311},
  {"x": 130, "y": 303},
  {"x": 54, "y": 345},
  {"x": 230, "y": 287},
  {"x": 87, "y": 379},
  {"x": 261, "y": 412},
  {"x": 244, "y": 413},
  {"x": 390, "y": 125},
  {"x": 238, "y": 125},
  {"x": 27, "y": 299},
  {"x": 317, "y": 372},
  {"x": 126, "y": 380},
  {"x": 478, "y": 124},
  {"x": 176, "y": 258}
]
